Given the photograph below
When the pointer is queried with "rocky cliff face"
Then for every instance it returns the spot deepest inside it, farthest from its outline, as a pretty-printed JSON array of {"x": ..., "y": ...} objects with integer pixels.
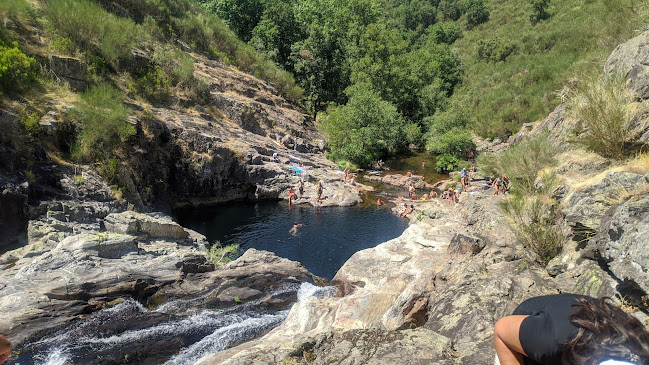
[{"x": 72, "y": 248}]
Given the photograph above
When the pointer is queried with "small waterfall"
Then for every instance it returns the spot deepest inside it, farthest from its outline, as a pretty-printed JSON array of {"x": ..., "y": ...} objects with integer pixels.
[
  {"x": 177, "y": 332},
  {"x": 56, "y": 357},
  {"x": 309, "y": 290},
  {"x": 225, "y": 336}
]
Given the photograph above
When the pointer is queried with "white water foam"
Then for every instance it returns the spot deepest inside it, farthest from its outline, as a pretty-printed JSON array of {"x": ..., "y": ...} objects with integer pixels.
[
  {"x": 185, "y": 325},
  {"x": 57, "y": 357},
  {"x": 224, "y": 336},
  {"x": 309, "y": 290}
]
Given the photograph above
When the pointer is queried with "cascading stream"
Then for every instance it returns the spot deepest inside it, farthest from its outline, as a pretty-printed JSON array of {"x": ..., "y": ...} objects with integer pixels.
[{"x": 177, "y": 332}]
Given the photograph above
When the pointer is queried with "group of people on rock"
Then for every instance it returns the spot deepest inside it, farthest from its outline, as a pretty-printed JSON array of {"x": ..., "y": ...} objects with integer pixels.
[
  {"x": 292, "y": 196},
  {"x": 349, "y": 177}
]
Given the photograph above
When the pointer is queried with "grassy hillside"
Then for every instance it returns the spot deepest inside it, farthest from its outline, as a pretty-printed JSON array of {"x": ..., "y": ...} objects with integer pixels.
[
  {"x": 133, "y": 49},
  {"x": 575, "y": 40}
]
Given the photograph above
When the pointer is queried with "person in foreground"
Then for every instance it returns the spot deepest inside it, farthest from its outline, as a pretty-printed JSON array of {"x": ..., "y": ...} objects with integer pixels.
[
  {"x": 5, "y": 349},
  {"x": 570, "y": 329}
]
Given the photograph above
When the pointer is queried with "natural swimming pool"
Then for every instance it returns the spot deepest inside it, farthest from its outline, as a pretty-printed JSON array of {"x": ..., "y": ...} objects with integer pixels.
[{"x": 327, "y": 238}]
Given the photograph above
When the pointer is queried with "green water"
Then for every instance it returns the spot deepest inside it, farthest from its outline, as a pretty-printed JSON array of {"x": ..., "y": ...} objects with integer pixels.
[{"x": 414, "y": 163}]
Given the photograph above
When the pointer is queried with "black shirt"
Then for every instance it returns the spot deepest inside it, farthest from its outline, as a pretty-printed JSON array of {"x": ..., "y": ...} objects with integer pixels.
[{"x": 548, "y": 328}]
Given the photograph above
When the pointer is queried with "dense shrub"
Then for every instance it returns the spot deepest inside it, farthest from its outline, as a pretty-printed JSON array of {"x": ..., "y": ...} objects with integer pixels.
[
  {"x": 17, "y": 70},
  {"x": 495, "y": 49},
  {"x": 31, "y": 123},
  {"x": 90, "y": 27},
  {"x": 103, "y": 127},
  {"x": 475, "y": 12},
  {"x": 447, "y": 163},
  {"x": 601, "y": 107},
  {"x": 15, "y": 8},
  {"x": 521, "y": 163},
  {"x": 221, "y": 255},
  {"x": 154, "y": 84},
  {"x": 456, "y": 142},
  {"x": 537, "y": 224},
  {"x": 447, "y": 32}
]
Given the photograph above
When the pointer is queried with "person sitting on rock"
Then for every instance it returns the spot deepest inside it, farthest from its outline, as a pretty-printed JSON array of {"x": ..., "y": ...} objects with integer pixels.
[
  {"x": 409, "y": 173},
  {"x": 407, "y": 210},
  {"x": 352, "y": 181},
  {"x": 379, "y": 202},
  {"x": 275, "y": 157},
  {"x": 570, "y": 329},
  {"x": 293, "y": 230},
  {"x": 450, "y": 193},
  {"x": 424, "y": 197},
  {"x": 433, "y": 194},
  {"x": 505, "y": 185},
  {"x": 5, "y": 349}
]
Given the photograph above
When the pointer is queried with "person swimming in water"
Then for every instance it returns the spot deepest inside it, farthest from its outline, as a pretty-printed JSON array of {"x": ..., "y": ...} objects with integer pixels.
[{"x": 293, "y": 230}]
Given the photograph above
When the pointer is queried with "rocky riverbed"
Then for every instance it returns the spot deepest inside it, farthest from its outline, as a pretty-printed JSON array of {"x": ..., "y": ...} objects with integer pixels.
[{"x": 431, "y": 296}]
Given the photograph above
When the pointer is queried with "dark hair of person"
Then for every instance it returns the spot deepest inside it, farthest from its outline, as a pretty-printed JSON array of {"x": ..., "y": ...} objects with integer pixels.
[{"x": 606, "y": 332}]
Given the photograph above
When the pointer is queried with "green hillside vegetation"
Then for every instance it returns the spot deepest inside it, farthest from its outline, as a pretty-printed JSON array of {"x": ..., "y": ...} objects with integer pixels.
[
  {"x": 104, "y": 35},
  {"x": 516, "y": 67},
  {"x": 449, "y": 66},
  {"x": 379, "y": 75}
]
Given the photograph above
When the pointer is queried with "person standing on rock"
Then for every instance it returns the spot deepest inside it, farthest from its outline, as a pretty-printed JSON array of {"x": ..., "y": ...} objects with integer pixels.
[
  {"x": 319, "y": 190},
  {"x": 497, "y": 185},
  {"x": 570, "y": 329},
  {"x": 291, "y": 196},
  {"x": 300, "y": 188},
  {"x": 465, "y": 178},
  {"x": 5, "y": 349}
]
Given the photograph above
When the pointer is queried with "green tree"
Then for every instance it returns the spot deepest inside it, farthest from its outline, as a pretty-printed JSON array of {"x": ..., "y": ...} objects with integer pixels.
[
  {"x": 447, "y": 32},
  {"x": 277, "y": 31},
  {"x": 241, "y": 15},
  {"x": 476, "y": 13},
  {"x": 319, "y": 62},
  {"x": 365, "y": 130},
  {"x": 415, "y": 15},
  {"x": 450, "y": 9},
  {"x": 539, "y": 10}
]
